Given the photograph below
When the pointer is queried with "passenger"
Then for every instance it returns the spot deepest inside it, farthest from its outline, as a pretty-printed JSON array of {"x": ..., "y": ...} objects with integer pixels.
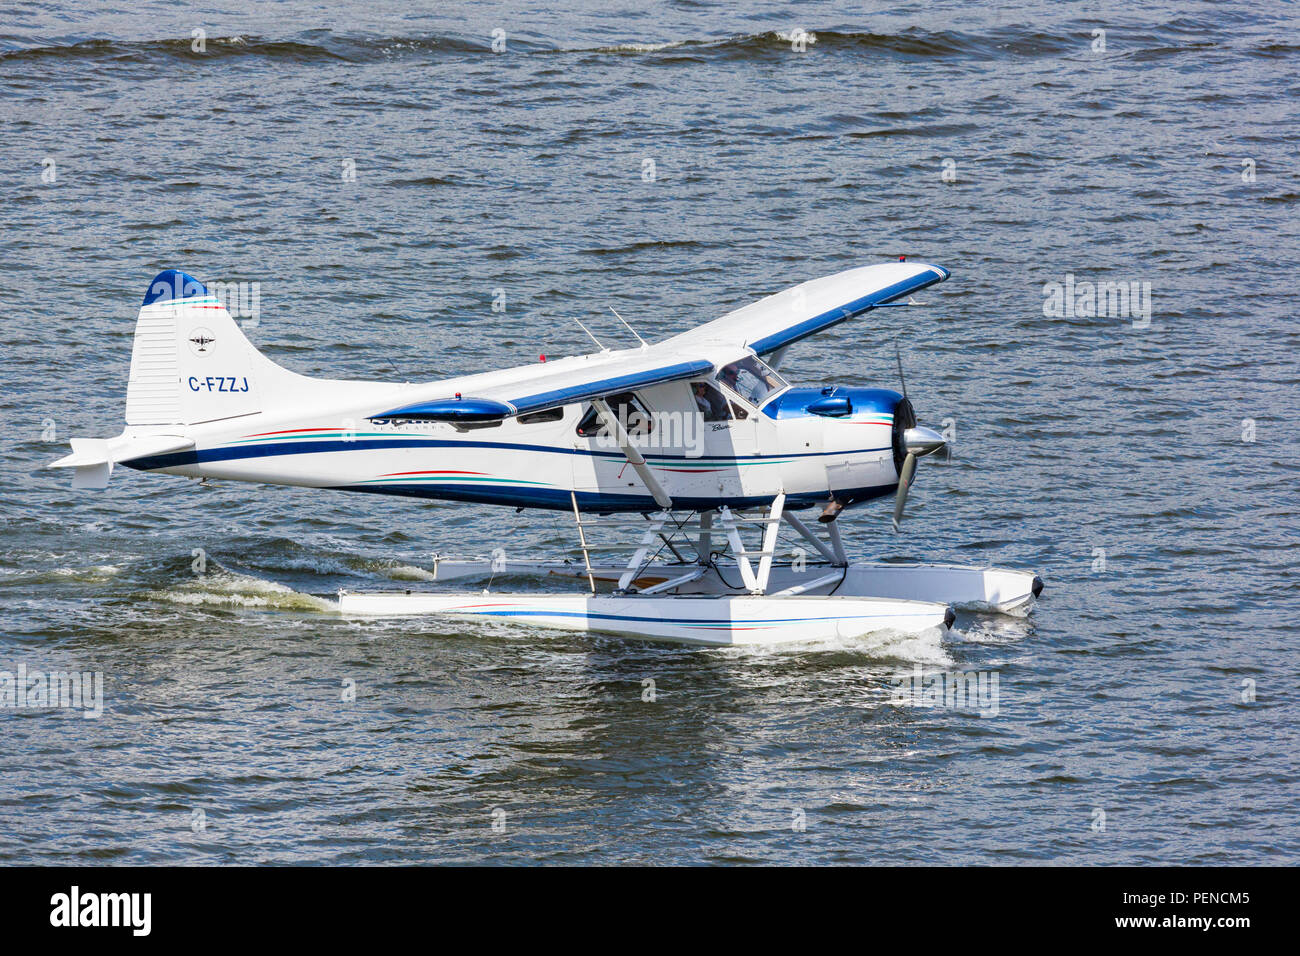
[
  {"x": 711, "y": 405},
  {"x": 702, "y": 399}
]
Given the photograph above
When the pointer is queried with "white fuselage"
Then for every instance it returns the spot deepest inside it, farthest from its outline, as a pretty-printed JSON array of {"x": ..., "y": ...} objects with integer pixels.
[{"x": 542, "y": 463}]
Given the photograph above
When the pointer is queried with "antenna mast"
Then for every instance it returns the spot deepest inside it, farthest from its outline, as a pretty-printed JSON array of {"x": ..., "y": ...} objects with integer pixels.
[
  {"x": 644, "y": 344},
  {"x": 589, "y": 335}
]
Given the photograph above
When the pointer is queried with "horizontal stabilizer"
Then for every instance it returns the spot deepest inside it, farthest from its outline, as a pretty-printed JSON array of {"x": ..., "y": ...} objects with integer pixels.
[
  {"x": 93, "y": 458},
  {"x": 85, "y": 451}
]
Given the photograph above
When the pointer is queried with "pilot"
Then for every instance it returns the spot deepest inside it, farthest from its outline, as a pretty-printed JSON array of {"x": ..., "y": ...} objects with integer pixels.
[
  {"x": 744, "y": 382},
  {"x": 728, "y": 378}
]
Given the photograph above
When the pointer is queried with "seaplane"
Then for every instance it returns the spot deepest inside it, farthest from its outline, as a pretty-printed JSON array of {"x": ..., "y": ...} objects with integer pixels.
[{"x": 693, "y": 452}]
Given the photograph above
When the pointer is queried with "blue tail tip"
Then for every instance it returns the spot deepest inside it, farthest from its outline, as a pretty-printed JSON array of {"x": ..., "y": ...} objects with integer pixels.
[{"x": 173, "y": 284}]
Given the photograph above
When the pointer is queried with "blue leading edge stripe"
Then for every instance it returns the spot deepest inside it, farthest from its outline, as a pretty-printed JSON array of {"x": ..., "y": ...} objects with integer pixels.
[
  {"x": 839, "y": 314},
  {"x": 619, "y": 383},
  {"x": 489, "y": 409}
]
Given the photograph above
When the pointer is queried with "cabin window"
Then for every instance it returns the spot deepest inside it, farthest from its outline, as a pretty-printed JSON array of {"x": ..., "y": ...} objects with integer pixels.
[
  {"x": 545, "y": 415},
  {"x": 751, "y": 380},
  {"x": 626, "y": 407},
  {"x": 710, "y": 402},
  {"x": 738, "y": 410}
]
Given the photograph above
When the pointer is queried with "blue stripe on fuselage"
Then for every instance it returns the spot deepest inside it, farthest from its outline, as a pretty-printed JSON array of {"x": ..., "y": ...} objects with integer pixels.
[
  {"x": 593, "y": 501},
  {"x": 182, "y": 458}
]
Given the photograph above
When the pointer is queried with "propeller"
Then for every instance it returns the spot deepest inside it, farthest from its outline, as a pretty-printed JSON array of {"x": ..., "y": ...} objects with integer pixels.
[
  {"x": 918, "y": 441},
  {"x": 898, "y": 357}
]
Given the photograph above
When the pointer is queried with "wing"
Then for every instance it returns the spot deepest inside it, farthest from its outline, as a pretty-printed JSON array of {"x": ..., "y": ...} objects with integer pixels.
[
  {"x": 765, "y": 326},
  {"x": 811, "y": 307}
]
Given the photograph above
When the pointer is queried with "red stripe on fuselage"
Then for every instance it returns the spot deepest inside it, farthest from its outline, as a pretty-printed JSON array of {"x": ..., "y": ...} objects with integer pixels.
[
  {"x": 396, "y": 474},
  {"x": 292, "y": 431}
]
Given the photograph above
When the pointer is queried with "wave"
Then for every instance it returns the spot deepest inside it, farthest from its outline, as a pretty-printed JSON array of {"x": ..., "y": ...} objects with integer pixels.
[
  {"x": 94, "y": 574},
  {"x": 282, "y": 556},
  {"x": 323, "y": 47},
  {"x": 878, "y": 647},
  {"x": 910, "y": 43},
  {"x": 331, "y": 48},
  {"x": 392, "y": 569},
  {"x": 221, "y": 588}
]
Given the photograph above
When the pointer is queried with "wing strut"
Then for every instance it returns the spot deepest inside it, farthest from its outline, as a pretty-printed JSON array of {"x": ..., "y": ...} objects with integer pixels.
[{"x": 633, "y": 456}]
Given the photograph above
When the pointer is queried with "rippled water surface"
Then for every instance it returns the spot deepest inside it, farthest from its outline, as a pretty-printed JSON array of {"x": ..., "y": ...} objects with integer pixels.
[{"x": 1147, "y": 472}]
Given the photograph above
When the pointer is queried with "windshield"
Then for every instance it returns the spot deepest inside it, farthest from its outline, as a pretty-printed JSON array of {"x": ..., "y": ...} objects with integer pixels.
[{"x": 751, "y": 380}]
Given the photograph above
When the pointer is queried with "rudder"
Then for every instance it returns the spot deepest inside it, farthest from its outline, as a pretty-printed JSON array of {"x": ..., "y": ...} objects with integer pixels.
[{"x": 190, "y": 363}]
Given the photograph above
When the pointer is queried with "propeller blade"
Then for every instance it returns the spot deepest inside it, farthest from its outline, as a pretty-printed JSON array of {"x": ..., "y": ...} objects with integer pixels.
[
  {"x": 904, "y": 479},
  {"x": 898, "y": 357}
]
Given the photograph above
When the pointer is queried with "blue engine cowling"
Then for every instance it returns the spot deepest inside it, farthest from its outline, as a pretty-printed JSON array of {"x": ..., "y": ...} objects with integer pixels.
[
  {"x": 841, "y": 402},
  {"x": 832, "y": 402}
]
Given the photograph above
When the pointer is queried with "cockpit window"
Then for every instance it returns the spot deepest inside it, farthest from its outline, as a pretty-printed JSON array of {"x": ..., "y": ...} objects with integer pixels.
[
  {"x": 751, "y": 380},
  {"x": 627, "y": 408}
]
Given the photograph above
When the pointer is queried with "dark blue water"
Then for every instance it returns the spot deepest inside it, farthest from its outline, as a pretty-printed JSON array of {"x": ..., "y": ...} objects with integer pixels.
[{"x": 1147, "y": 471}]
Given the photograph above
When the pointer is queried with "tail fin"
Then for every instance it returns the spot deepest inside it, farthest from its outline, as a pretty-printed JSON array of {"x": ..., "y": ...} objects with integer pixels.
[{"x": 190, "y": 362}]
